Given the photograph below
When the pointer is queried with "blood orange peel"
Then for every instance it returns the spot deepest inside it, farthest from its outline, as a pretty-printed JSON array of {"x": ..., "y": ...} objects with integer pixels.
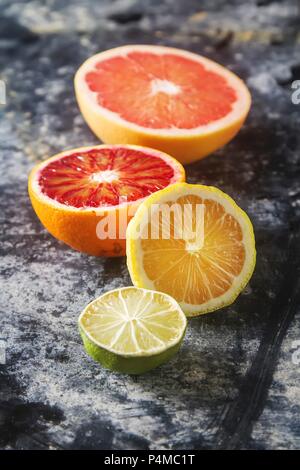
[
  {"x": 76, "y": 189},
  {"x": 161, "y": 97}
]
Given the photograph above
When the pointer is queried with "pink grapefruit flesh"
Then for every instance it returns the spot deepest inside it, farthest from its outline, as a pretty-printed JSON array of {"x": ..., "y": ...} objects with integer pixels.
[{"x": 161, "y": 97}]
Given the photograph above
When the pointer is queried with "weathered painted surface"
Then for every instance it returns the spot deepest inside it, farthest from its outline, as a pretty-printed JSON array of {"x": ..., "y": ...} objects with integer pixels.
[{"x": 234, "y": 384}]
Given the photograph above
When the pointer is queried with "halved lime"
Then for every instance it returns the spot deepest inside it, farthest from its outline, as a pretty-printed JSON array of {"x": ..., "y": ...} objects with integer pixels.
[{"x": 132, "y": 330}]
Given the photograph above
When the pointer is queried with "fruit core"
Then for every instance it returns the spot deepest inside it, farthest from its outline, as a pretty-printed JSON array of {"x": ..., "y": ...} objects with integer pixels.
[
  {"x": 106, "y": 176},
  {"x": 193, "y": 248},
  {"x": 164, "y": 86}
]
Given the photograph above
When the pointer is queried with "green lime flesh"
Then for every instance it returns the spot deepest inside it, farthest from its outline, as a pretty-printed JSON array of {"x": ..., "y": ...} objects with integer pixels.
[{"x": 127, "y": 365}]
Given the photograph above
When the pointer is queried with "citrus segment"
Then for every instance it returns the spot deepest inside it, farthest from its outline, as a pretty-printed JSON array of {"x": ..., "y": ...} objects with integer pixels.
[
  {"x": 161, "y": 97},
  {"x": 203, "y": 273},
  {"x": 73, "y": 191},
  {"x": 132, "y": 330}
]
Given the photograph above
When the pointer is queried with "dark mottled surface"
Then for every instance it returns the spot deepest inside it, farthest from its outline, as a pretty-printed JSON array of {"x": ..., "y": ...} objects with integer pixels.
[{"x": 235, "y": 383}]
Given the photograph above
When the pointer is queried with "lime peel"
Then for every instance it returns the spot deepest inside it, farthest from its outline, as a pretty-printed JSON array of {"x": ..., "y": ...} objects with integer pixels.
[{"x": 132, "y": 330}]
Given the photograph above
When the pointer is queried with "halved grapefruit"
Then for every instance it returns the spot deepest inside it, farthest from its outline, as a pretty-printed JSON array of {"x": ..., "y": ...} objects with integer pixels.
[
  {"x": 161, "y": 97},
  {"x": 86, "y": 196}
]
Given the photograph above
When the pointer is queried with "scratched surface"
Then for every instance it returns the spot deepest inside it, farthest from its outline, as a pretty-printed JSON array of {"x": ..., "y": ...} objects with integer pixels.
[{"x": 235, "y": 383}]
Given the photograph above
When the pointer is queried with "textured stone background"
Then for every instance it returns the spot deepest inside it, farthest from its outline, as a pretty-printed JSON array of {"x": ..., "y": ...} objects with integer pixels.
[{"x": 234, "y": 384}]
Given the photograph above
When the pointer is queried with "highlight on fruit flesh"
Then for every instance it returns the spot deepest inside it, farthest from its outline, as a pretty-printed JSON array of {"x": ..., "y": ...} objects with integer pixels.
[
  {"x": 203, "y": 268},
  {"x": 75, "y": 191},
  {"x": 132, "y": 330},
  {"x": 165, "y": 98}
]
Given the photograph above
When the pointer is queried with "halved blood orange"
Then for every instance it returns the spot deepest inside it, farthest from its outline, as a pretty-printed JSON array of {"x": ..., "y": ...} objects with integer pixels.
[
  {"x": 86, "y": 196},
  {"x": 161, "y": 97}
]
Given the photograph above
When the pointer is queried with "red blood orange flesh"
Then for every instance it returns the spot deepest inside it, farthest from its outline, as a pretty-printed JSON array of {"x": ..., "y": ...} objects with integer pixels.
[{"x": 102, "y": 177}]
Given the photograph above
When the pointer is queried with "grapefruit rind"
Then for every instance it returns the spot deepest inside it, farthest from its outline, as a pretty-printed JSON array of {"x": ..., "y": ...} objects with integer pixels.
[
  {"x": 134, "y": 251},
  {"x": 186, "y": 145}
]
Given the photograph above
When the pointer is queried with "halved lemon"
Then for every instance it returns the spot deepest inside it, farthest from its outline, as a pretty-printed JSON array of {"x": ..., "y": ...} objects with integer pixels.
[
  {"x": 194, "y": 243},
  {"x": 132, "y": 330}
]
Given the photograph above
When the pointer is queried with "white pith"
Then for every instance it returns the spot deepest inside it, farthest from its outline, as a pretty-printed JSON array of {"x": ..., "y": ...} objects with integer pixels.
[
  {"x": 134, "y": 315},
  {"x": 239, "y": 109},
  {"x": 147, "y": 151},
  {"x": 106, "y": 176},
  {"x": 192, "y": 248},
  {"x": 135, "y": 252},
  {"x": 164, "y": 86}
]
